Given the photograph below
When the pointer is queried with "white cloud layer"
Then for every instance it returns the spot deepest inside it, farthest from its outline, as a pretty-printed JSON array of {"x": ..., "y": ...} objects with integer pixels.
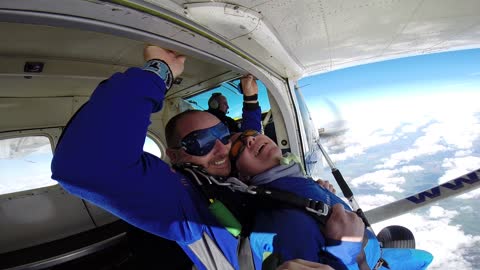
[
  {"x": 386, "y": 180},
  {"x": 448, "y": 133},
  {"x": 459, "y": 166},
  {"x": 446, "y": 123}
]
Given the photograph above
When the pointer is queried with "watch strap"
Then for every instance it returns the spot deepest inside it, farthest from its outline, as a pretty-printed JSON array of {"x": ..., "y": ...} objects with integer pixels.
[
  {"x": 250, "y": 98},
  {"x": 162, "y": 69}
]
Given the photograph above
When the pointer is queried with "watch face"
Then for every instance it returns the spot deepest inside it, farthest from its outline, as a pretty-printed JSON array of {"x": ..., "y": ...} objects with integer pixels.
[
  {"x": 153, "y": 64},
  {"x": 161, "y": 69},
  {"x": 163, "y": 72}
]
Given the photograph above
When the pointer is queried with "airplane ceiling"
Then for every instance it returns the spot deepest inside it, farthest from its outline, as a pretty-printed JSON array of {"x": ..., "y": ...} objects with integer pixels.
[
  {"x": 75, "y": 61},
  {"x": 304, "y": 37},
  {"x": 291, "y": 38}
]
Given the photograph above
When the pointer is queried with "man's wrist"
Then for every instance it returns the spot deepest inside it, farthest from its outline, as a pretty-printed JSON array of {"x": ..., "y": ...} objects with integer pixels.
[
  {"x": 251, "y": 106},
  {"x": 250, "y": 98},
  {"x": 162, "y": 70}
]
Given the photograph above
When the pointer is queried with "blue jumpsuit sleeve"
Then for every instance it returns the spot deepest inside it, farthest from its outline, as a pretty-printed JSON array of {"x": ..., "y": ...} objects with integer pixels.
[
  {"x": 252, "y": 119},
  {"x": 100, "y": 158}
]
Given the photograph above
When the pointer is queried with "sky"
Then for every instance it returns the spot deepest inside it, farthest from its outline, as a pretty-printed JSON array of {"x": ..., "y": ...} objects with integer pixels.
[
  {"x": 413, "y": 123},
  {"x": 25, "y": 164}
]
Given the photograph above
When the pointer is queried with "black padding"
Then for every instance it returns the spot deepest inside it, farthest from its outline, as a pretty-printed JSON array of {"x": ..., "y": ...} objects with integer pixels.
[{"x": 396, "y": 237}]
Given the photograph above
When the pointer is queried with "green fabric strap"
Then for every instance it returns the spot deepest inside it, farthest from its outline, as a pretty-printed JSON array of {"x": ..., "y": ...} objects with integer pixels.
[{"x": 225, "y": 217}]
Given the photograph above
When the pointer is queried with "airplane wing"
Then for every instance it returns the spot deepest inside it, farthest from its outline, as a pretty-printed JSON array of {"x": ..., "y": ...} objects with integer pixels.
[{"x": 454, "y": 187}]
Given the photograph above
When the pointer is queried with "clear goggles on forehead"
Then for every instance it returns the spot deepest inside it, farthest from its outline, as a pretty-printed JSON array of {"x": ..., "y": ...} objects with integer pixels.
[{"x": 201, "y": 142}]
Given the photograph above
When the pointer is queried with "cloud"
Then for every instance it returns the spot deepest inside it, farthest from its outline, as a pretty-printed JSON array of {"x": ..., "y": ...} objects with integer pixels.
[
  {"x": 409, "y": 128},
  {"x": 386, "y": 180},
  {"x": 459, "y": 166},
  {"x": 456, "y": 131},
  {"x": 10, "y": 185},
  {"x": 17, "y": 148},
  {"x": 405, "y": 157},
  {"x": 446, "y": 124},
  {"x": 449, "y": 132},
  {"x": 368, "y": 202},
  {"x": 474, "y": 194},
  {"x": 462, "y": 153},
  {"x": 356, "y": 144},
  {"x": 466, "y": 209},
  {"x": 437, "y": 212},
  {"x": 409, "y": 169}
]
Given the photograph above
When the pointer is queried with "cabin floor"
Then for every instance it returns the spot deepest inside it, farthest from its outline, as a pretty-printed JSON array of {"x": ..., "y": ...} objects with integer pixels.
[{"x": 136, "y": 249}]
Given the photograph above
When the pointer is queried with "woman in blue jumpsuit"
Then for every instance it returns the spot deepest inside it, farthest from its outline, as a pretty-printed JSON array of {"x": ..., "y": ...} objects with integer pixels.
[{"x": 295, "y": 233}]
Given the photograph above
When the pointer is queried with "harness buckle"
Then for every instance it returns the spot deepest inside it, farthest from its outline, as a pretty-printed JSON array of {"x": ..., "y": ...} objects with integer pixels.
[
  {"x": 323, "y": 211},
  {"x": 381, "y": 262},
  {"x": 252, "y": 190}
]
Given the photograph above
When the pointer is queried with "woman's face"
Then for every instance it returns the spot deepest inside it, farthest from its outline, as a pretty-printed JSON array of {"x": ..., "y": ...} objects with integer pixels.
[{"x": 258, "y": 153}]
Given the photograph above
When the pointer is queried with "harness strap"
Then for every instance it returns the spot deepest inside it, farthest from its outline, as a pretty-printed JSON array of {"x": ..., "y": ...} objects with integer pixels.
[
  {"x": 209, "y": 186},
  {"x": 244, "y": 253},
  {"x": 381, "y": 262},
  {"x": 318, "y": 209},
  {"x": 361, "y": 257}
]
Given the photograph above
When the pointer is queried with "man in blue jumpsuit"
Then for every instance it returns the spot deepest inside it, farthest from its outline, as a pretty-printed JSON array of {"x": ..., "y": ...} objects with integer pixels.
[
  {"x": 107, "y": 166},
  {"x": 258, "y": 161}
]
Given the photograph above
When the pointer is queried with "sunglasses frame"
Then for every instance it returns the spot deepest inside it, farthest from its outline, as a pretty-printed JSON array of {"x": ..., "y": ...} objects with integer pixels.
[{"x": 240, "y": 139}]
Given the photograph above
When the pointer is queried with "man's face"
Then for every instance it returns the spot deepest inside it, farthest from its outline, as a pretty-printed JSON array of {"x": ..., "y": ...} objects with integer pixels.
[
  {"x": 259, "y": 154},
  {"x": 222, "y": 104},
  {"x": 215, "y": 162}
]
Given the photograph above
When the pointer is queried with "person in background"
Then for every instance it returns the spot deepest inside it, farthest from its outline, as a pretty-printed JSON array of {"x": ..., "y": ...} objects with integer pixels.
[{"x": 218, "y": 104}]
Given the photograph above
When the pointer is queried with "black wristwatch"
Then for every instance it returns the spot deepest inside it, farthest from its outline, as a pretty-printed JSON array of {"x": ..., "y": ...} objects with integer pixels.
[
  {"x": 162, "y": 69},
  {"x": 250, "y": 98}
]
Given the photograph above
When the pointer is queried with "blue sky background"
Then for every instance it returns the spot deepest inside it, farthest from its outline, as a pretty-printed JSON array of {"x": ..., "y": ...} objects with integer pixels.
[
  {"x": 400, "y": 77},
  {"x": 413, "y": 123}
]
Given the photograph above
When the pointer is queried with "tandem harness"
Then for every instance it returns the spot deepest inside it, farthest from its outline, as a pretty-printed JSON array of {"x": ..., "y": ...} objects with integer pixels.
[{"x": 211, "y": 187}]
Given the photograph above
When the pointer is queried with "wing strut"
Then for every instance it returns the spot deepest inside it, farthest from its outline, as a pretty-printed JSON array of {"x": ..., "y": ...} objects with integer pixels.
[
  {"x": 347, "y": 192},
  {"x": 457, "y": 186}
]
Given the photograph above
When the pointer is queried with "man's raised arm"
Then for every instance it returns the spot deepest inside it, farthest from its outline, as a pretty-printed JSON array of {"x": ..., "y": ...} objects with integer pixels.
[
  {"x": 100, "y": 155},
  {"x": 252, "y": 114}
]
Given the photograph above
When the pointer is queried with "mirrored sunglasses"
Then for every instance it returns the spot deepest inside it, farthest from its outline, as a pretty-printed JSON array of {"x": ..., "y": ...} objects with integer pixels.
[
  {"x": 201, "y": 142},
  {"x": 239, "y": 144}
]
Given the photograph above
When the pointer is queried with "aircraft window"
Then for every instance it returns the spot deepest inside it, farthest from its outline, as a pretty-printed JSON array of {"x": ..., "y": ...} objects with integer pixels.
[
  {"x": 398, "y": 128},
  {"x": 235, "y": 102},
  {"x": 307, "y": 120},
  {"x": 234, "y": 97},
  {"x": 25, "y": 164},
  {"x": 151, "y": 147}
]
